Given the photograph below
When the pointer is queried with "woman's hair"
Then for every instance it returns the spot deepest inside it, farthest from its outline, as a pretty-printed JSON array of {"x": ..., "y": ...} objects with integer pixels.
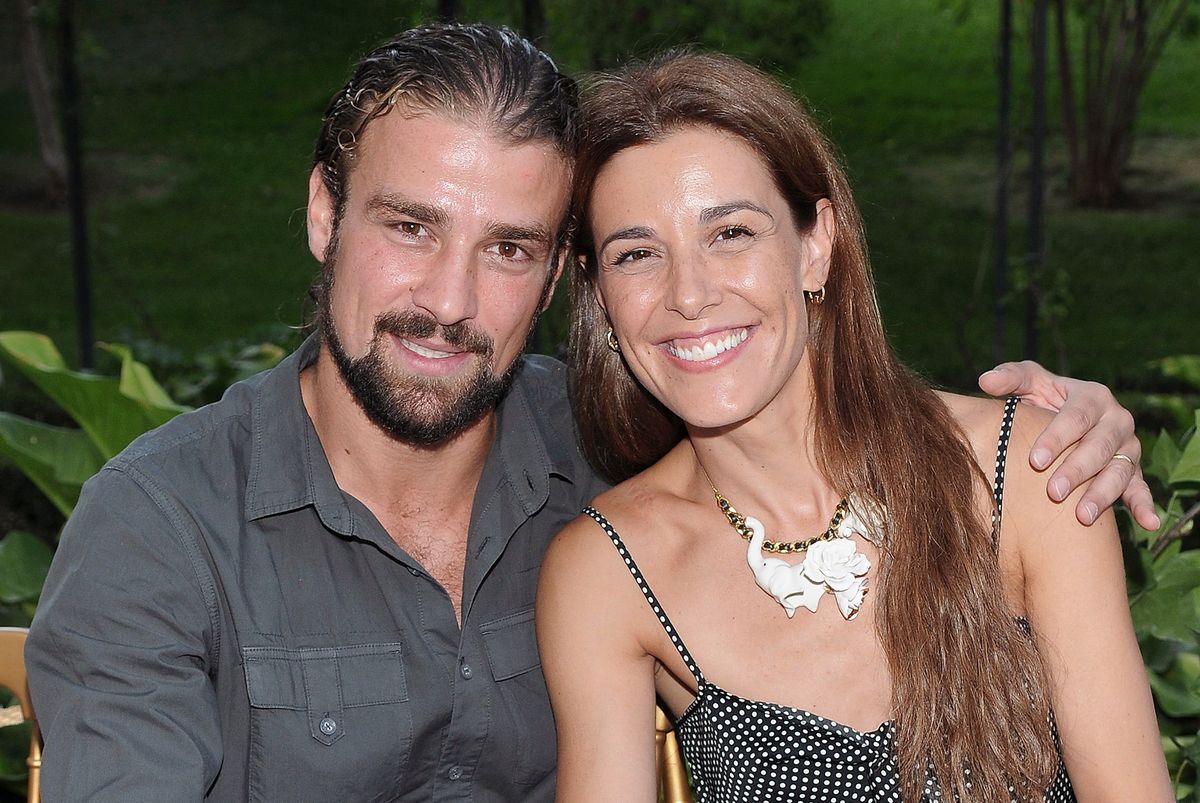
[{"x": 968, "y": 688}]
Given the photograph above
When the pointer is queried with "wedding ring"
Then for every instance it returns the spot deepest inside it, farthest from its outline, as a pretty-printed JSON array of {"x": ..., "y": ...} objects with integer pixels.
[{"x": 1125, "y": 457}]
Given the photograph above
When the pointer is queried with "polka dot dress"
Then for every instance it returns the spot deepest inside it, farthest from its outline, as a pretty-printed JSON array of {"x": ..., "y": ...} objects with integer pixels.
[{"x": 740, "y": 750}]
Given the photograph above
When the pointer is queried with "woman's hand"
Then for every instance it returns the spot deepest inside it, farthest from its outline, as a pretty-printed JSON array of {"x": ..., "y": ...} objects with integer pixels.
[{"x": 1087, "y": 414}]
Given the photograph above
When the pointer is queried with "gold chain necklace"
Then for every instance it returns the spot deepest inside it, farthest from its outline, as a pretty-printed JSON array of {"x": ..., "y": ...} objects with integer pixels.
[{"x": 738, "y": 522}]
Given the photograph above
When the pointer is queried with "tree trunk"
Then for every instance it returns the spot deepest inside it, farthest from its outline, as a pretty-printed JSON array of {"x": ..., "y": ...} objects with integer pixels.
[
  {"x": 41, "y": 98},
  {"x": 1123, "y": 40},
  {"x": 1066, "y": 91},
  {"x": 447, "y": 10}
]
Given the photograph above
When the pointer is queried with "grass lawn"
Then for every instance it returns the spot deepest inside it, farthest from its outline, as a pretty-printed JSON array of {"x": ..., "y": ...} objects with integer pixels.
[{"x": 200, "y": 119}]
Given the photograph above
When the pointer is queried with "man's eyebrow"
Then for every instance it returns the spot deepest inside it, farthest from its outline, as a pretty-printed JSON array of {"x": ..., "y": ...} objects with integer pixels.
[
  {"x": 399, "y": 206},
  {"x": 527, "y": 233},
  {"x": 718, "y": 212},
  {"x": 627, "y": 233}
]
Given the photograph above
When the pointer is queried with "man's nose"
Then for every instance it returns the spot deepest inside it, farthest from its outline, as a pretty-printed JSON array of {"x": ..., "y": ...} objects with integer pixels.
[{"x": 447, "y": 289}]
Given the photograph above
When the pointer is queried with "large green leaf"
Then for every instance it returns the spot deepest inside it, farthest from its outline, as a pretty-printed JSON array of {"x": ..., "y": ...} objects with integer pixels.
[
  {"x": 1185, "y": 367},
  {"x": 137, "y": 383},
  {"x": 1188, "y": 468},
  {"x": 24, "y": 561},
  {"x": 1164, "y": 456},
  {"x": 1176, "y": 690},
  {"x": 58, "y": 460},
  {"x": 111, "y": 411},
  {"x": 1170, "y": 609}
]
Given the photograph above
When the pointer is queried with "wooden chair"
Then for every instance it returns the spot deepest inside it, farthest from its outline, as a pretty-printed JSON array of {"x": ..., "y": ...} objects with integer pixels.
[
  {"x": 672, "y": 775},
  {"x": 12, "y": 677}
]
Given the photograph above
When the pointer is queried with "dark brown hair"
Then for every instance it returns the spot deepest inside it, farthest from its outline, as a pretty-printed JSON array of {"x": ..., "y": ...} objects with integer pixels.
[
  {"x": 481, "y": 73},
  {"x": 968, "y": 688}
]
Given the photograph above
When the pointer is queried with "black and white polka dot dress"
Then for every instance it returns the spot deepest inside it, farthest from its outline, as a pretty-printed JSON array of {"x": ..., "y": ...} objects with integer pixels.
[{"x": 740, "y": 750}]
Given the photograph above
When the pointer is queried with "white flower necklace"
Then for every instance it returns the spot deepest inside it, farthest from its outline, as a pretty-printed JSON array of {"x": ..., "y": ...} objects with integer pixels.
[{"x": 832, "y": 565}]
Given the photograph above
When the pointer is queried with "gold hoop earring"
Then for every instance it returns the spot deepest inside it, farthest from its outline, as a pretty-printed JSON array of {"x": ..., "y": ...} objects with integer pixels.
[
  {"x": 612, "y": 341},
  {"x": 816, "y": 297}
]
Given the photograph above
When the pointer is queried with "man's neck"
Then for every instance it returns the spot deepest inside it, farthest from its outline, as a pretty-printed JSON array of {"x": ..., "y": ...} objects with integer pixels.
[{"x": 395, "y": 480}]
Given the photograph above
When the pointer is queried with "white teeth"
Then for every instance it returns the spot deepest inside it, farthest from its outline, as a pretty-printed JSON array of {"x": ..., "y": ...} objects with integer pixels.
[
  {"x": 426, "y": 352},
  {"x": 710, "y": 349}
]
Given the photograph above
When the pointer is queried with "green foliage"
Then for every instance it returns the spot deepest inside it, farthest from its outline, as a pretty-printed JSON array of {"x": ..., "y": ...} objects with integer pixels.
[
  {"x": 110, "y": 412},
  {"x": 1163, "y": 571},
  {"x": 772, "y": 33},
  {"x": 198, "y": 379}
]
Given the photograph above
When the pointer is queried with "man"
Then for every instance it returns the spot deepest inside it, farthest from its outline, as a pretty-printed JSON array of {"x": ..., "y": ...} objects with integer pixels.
[{"x": 322, "y": 586}]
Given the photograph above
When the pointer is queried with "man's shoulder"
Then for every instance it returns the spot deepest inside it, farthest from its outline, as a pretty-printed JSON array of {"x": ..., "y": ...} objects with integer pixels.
[
  {"x": 216, "y": 431},
  {"x": 543, "y": 382},
  {"x": 544, "y": 374}
]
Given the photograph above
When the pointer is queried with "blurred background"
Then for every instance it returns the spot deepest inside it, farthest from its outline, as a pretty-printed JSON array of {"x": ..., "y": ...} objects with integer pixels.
[{"x": 1029, "y": 172}]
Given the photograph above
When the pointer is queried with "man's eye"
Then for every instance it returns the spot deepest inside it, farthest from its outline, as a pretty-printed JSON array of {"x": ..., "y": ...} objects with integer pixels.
[
  {"x": 507, "y": 250},
  {"x": 411, "y": 228}
]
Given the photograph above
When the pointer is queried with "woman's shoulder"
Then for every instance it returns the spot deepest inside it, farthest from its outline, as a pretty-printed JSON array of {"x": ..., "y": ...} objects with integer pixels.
[
  {"x": 642, "y": 512},
  {"x": 981, "y": 420}
]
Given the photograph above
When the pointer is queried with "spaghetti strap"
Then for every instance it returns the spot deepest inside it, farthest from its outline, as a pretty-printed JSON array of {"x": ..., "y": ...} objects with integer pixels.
[
  {"x": 1010, "y": 409},
  {"x": 663, "y": 619}
]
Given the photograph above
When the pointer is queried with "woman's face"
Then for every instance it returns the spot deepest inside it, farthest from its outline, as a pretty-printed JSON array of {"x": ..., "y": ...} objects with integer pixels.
[{"x": 701, "y": 270}]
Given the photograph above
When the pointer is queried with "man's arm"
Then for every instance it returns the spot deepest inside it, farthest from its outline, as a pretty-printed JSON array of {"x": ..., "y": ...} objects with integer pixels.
[
  {"x": 1087, "y": 415},
  {"x": 117, "y": 654}
]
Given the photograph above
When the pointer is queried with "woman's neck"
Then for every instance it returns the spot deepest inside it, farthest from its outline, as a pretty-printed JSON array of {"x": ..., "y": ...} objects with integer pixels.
[{"x": 767, "y": 465}]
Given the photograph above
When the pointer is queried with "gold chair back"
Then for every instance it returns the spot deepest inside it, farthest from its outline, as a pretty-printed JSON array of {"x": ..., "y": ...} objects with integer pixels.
[
  {"x": 13, "y": 678},
  {"x": 672, "y": 775}
]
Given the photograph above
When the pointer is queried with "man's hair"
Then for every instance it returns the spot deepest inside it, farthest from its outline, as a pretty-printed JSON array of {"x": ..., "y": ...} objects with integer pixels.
[{"x": 480, "y": 74}]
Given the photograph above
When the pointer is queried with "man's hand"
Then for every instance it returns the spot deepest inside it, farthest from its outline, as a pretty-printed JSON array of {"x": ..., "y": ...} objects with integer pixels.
[{"x": 1090, "y": 416}]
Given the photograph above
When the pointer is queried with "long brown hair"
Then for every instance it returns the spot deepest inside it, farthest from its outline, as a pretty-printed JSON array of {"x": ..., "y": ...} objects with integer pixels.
[{"x": 968, "y": 688}]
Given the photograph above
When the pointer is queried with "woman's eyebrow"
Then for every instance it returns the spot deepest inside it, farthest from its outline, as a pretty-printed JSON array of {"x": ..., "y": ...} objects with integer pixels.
[
  {"x": 628, "y": 233},
  {"x": 718, "y": 212}
]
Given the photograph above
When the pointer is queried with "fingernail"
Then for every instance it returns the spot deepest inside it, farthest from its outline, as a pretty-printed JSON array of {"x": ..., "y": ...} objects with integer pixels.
[
  {"x": 1090, "y": 511},
  {"x": 1041, "y": 459},
  {"x": 1157, "y": 523},
  {"x": 1058, "y": 489}
]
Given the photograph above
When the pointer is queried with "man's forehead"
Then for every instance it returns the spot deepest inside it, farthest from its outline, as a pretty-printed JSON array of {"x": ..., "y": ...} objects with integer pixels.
[{"x": 439, "y": 156}]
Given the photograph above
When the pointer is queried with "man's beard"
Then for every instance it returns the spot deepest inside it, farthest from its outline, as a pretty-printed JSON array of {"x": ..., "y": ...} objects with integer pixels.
[{"x": 422, "y": 411}]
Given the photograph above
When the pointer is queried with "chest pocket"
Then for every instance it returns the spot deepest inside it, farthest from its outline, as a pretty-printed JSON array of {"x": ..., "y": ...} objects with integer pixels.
[
  {"x": 511, "y": 645},
  {"x": 328, "y": 722}
]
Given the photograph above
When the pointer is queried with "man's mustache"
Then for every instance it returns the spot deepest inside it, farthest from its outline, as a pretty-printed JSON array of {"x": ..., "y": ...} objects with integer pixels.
[{"x": 413, "y": 324}]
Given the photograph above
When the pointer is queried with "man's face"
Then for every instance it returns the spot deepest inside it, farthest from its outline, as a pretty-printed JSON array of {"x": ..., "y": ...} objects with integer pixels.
[{"x": 436, "y": 270}]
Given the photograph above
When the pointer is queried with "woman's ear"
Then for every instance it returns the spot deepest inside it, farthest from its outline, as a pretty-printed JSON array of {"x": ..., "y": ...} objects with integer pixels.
[{"x": 819, "y": 246}]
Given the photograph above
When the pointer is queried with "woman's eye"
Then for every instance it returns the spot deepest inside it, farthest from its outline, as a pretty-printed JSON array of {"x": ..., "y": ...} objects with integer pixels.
[
  {"x": 734, "y": 232},
  {"x": 633, "y": 255}
]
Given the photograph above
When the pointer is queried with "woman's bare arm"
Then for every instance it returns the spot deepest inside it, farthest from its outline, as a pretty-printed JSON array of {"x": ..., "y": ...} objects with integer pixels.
[
  {"x": 601, "y": 680},
  {"x": 1074, "y": 590}
]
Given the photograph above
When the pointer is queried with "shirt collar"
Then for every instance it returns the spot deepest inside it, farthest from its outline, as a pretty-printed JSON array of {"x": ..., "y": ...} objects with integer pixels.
[{"x": 289, "y": 469}]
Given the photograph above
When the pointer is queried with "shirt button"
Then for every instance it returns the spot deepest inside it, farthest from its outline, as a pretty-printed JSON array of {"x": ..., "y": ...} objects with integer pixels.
[
  {"x": 328, "y": 726},
  {"x": 414, "y": 572},
  {"x": 466, "y": 671},
  {"x": 455, "y": 773}
]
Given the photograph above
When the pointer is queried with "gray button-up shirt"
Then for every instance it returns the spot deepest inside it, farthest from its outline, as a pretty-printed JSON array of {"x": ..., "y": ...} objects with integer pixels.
[{"x": 223, "y": 622}]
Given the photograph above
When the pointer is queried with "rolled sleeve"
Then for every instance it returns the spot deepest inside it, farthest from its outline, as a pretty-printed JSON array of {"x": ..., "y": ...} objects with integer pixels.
[{"x": 118, "y": 653}]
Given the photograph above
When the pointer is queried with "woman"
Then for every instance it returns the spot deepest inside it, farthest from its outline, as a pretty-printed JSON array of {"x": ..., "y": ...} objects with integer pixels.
[{"x": 725, "y": 307}]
